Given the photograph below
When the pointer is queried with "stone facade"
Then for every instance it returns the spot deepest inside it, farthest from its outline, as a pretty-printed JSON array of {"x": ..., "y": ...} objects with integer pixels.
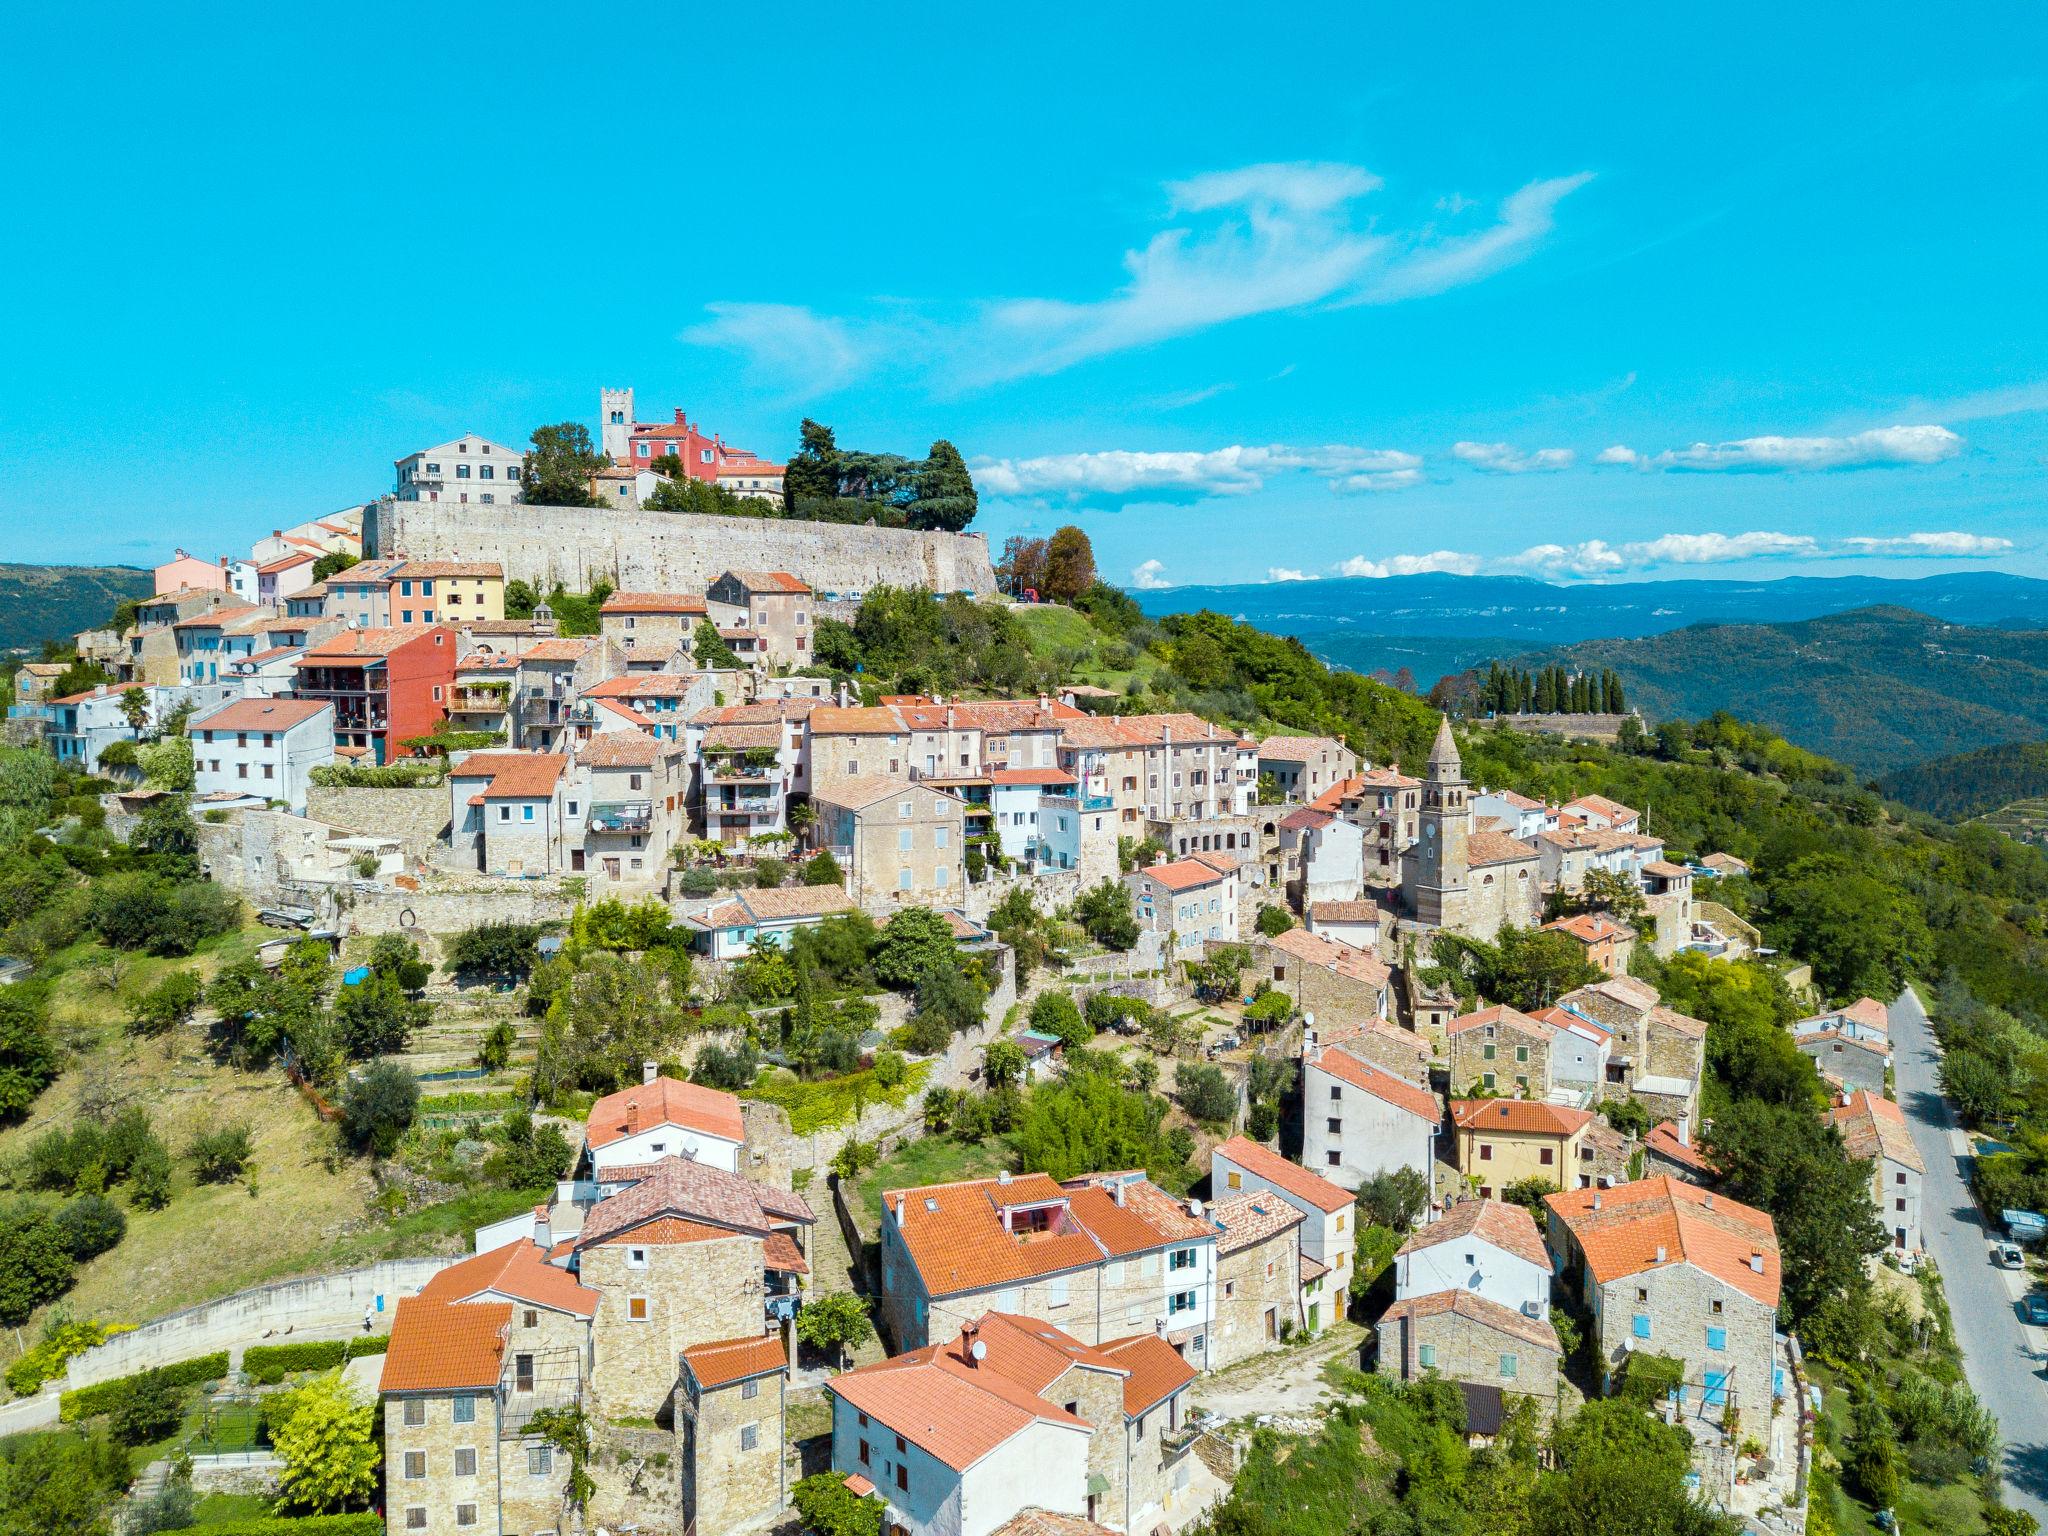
[
  {"x": 688, "y": 1293},
  {"x": 1507, "y": 1053},
  {"x": 1460, "y": 1347},
  {"x": 416, "y": 817},
  {"x": 732, "y": 1451},
  {"x": 1355, "y": 992},
  {"x": 668, "y": 552},
  {"x": 1258, "y": 1297},
  {"x": 448, "y": 1478},
  {"x": 1684, "y": 1305}
]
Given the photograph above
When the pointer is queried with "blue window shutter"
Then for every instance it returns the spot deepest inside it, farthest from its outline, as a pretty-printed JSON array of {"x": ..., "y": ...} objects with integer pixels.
[
  {"x": 1717, "y": 1338},
  {"x": 1642, "y": 1325}
]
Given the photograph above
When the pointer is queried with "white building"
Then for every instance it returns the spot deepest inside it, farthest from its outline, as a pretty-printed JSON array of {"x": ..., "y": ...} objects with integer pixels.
[
  {"x": 1358, "y": 1121},
  {"x": 1352, "y": 923},
  {"x": 1037, "y": 816},
  {"x": 1186, "y": 902},
  {"x": 658, "y": 1118},
  {"x": 262, "y": 746},
  {"x": 1328, "y": 1235},
  {"x": 1518, "y": 815},
  {"x": 1328, "y": 850},
  {"x": 467, "y": 469},
  {"x": 1874, "y": 1129},
  {"x": 1488, "y": 1247}
]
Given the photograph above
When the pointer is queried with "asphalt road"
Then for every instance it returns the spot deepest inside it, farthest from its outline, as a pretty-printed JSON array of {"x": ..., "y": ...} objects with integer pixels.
[{"x": 2002, "y": 1357}]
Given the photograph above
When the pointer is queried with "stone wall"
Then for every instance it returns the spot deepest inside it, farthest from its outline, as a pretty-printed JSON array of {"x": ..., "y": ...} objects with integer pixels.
[
  {"x": 1468, "y": 1350},
  {"x": 258, "y": 853},
  {"x": 727, "y": 1484},
  {"x": 1602, "y": 728},
  {"x": 1256, "y": 1279},
  {"x": 695, "y": 1292},
  {"x": 388, "y": 909},
  {"x": 417, "y": 817},
  {"x": 669, "y": 552}
]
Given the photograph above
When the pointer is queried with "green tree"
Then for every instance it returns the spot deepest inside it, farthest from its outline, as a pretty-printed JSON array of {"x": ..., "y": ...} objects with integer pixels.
[
  {"x": 828, "y": 1507},
  {"x": 35, "y": 1261},
  {"x": 496, "y": 951},
  {"x": 90, "y": 1225},
  {"x": 167, "y": 764},
  {"x": 149, "y": 1409},
  {"x": 328, "y": 1444},
  {"x": 1861, "y": 933},
  {"x": 1055, "y": 1013},
  {"x": 1273, "y": 921},
  {"x": 1528, "y": 1193},
  {"x": 913, "y": 942},
  {"x": 376, "y": 1017},
  {"x": 398, "y": 956},
  {"x": 168, "y": 1004},
  {"x": 559, "y": 466},
  {"x": 1204, "y": 1092},
  {"x": 333, "y": 563},
  {"x": 950, "y": 1000},
  {"x": 1002, "y": 1063},
  {"x": 1069, "y": 565},
  {"x": 1105, "y": 914},
  {"x": 1394, "y": 1200},
  {"x": 28, "y": 1056},
  {"x": 60, "y": 1485},
  {"x": 520, "y": 599},
  {"x": 710, "y": 651},
  {"x": 378, "y": 1107},
  {"x": 836, "y": 1321},
  {"x": 1087, "y": 1121},
  {"x": 135, "y": 707},
  {"x": 219, "y": 1155},
  {"x": 942, "y": 491},
  {"x": 822, "y": 869},
  {"x": 812, "y": 474}
]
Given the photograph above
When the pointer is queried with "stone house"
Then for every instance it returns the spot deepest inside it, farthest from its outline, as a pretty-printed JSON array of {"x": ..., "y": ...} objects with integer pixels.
[
  {"x": 1186, "y": 903},
  {"x": 1488, "y": 1247},
  {"x": 733, "y": 929},
  {"x": 1874, "y": 1131},
  {"x": 662, "y": 704},
  {"x": 1607, "y": 943},
  {"x": 1356, "y": 924},
  {"x": 1668, "y": 1148},
  {"x": 1500, "y": 1049},
  {"x": 1463, "y": 1337},
  {"x": 1325, "y": 855},
  {"x": 1304, "y": 766},
  {"x": 1359, "y": 1121},
  {"x": 958, "y": 1437},
  {"x": 1580, "y": 1052},
  {"x": 507, "y": 812},
  {"x": 1328, "y": 1237},
  {"x": 1864, "y": 1019},
  {"x": 1137, "y": 768},
  {"x": 772, "y": 606},
  {"x": 1502, "y": 1142},
  {"x": 1388, "y": 805},
  {"x": 650, "y": 620},
  {"x": 630, "y": 804},
  {"x": 661, "y": 1117},
  {"x": 1335, "y": 983},
  {"x": 1672, "y": 1269},
  {"x": 1101, "y": 1257},
  {"x": 1406, "y": 1054},
  {"x": 1667, "y": 898},
  {"x": 731, "y": 1429},
  {"x": 1657, "y": 1053},
  {"x": 1603, "y": 814},
  {"x": 744, "y": 776},
  {"x": 900, "y": 844},
  {"x": 1258, "y": 1275}
]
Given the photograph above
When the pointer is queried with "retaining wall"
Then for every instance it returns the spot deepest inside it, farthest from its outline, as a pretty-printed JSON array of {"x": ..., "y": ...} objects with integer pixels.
[{"x": 417, "y": 817}]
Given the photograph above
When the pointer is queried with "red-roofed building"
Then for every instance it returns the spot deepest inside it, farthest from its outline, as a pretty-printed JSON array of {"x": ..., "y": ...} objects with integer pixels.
[
  {"x": 771, "y": 608},
  {"x": 1186, "y": 903},
  {"x": 1607, "y": 943},
  {"x": 731, "y": 1431},
  {"x": 1488, "y": 1247},
  {"x": 507, "y": 810},
  {"x": 387, "y": 685},
  {"x": 262, "y": 747},
  {"x": 662, "y": 1118},
  {"x": 704, "y": 455},
  {"x": 1359, "y": 1120},
  {"x": 1506, "y": 1141},
  {"x": 1328, "y": 1233}
]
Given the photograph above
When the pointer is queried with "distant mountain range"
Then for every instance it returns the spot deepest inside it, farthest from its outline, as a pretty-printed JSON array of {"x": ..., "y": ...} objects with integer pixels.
[
  {"x": 55, "y": 602},
  {"x": 1974, "y": 783},
  {"x": 1879, "y": 688}
]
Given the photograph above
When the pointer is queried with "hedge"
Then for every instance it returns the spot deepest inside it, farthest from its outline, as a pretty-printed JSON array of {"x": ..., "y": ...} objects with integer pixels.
[
  {"x": 268, "y": 1364},
  {"x": 821, "y": 1104},
  {"x": 102, "y": 1396},
  {"x": 366, "y": 1524}
]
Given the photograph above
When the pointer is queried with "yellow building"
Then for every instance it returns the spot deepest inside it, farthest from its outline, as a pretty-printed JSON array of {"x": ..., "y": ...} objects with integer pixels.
[
  {"x": 447, "y": 591},
  {"x": 1504, "y": 1141}
]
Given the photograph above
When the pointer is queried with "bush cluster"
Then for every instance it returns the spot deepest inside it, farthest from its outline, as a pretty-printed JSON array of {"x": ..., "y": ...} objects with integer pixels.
[{"x": 106, "y": 1396}]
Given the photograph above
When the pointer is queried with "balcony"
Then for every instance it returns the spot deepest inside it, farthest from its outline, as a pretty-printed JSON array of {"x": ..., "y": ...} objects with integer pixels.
[
  {"x": 1097, "y": 802},
  {"x": 734, "y": 771},
  {"x": 621, "y": 816}
]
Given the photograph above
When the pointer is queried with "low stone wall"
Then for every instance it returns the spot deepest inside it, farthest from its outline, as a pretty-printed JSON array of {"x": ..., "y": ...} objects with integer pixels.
[
  {"x": 1601, "y": 728},
  {"x": 417, "y": 817},
  {"x": 388, "y": 909},
  {"x": 318, "y": 1301}
]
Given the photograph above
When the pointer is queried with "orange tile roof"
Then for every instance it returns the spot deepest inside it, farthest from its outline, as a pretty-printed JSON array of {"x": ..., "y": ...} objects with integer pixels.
[
  {"x": 1314, "y": 949},
  {"x": 1157, "y": 1370},
  {"x": 1591, "y": 927},
  {"x": 653, "y": 602},
  {"x": 855, "y": 720},
  {"x": 1483, "y": 848},
  {"x": 1873, "y": 1126},
  {"x": 1344, "y": 912},
  {"x": 444, "y": 1347},
  {"x": 725, "y": 1361},
  {"x": 518, "y": 1270},
  {"x": 1564, "y": 1018},
  {"x": 1031, "y": 776},
  {"x": 480, "y": 570},
  {"x": 1509, "y": 1228},
  {"x": 663, "y": 1232},
  {"x": 513, "y": 775},
  {"x": 1819, "y": 1036},
  {"x": 643, "y": 685},
  {"x": 644, "y": 1106},
  {"x": 622, "y": 749},
  {"x": 1735, "y": 1243},
  {"x": 1530, "y": 1330},
  {"x": 769, "y": 581},
  {"x": 1600, "y": 805},
  {"x": 1298, "y": 749},
  {"x": 1400, "y": 1093},
  {"x": 1263, "y": 1163},
  {"x": 260, "y": 715},
  {"x": 860, "y": 1487},
  {"x": 780, "y": 1253},
  {"x": 1182, "y": 874},
  {"x": 1501, "y": 1016},
  {"x": 1663, "y": 1140},
  {"x": 1518, "y": 1117},
  {"x": 1251, "y": 1217},
  {"x": 556, "y": 649},
  {"x": 369, "y": 644}
]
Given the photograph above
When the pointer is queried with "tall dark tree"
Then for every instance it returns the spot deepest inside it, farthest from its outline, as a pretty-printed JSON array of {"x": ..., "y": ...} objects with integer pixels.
[
  {"x": 559, "y": 466},
  {"x": 813, "y": 473},
  {"x": 942, "y": 491}
]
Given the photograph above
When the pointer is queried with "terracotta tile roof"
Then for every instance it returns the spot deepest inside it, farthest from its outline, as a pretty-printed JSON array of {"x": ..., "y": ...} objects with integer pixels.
[
  {"x": 1536, "y": 1332},
  {"x": 1157, "y": 1370},
  {"x": 1630, "y": 991},
  {"x": 1591, "y": 927},
  {"x": 1030, "y": 1351},
  {"x": 653, "y": 602},
  {"x": 440, "y": 1347},
  {"x": 855, "y": 720},
  {"x": 740, "y": 737},
  {"x": 1518, "y": 1117},
  {"x": 695, "y": 1192},
  {"x": 779, "y": 1252},
  {"x": 1344, "y": 912},
  {"x": 1663, "y": 1140},
  {"x": 725, "y": 1361},
  {"x": 1731, "y": 1241},
  {"x": 860, "y": 1487},
  {"x": 1314, "y": 949},
  {"x": 625, "y": 712},
  {"x": 1486, "y": 848},
  {"x": 792, "y": 711},
  {"x": 1518, "y": 800},
  {"x": 769, "y": 581},
  {"x": 796, "y": 901},
  {"x": 260, "y": 715},
  {"x": 513, "y": 775},
  {"x": 1724, "y": 862},
  {"x": 1263, "y": 1163},
  {"x": 288, "y": 562},
  {"x": 1298, "y": 749},
  {"x": 1868, "y": 1012},
  {"x": 367, "y": 644},
  {"x": 1600, "y": 805},
  {"x": 1836, "y": 1037},
  {"x": 859, "y": 792},
  {"x": 1380, "y": 1031},
  {"x": 643, "y": 685},
  {"x": 1144, "y": 731},
  {"x": 417, "y": 570},
  {"x": 1182, "y": 874},
  {"x": 622, "y": 749},
  {"x": 518, "y": 1270},
  {"x": 645, "y": 1106},
  {"x": 1032, "y": 776},
  {"x": 1306, "y": 818},
  {"x": 1501, "y": 1016},
  {"x": 1679, "y": 1023},
  {"x": 1872, "y": 1126},
  {"x": 1045, "y": 1522},
  {"x": 1509, "y": 1228},
  {"x": 1563, "y": 1018},
  {"x": 1664, "y": 869},
  {"x": 1169, "y": 1218},
  {"x": 1250, "y": 1218},
  {"x": 275, "y": 653},
  {"x": 664, "y": 1232},
  {"x": 1386, "y": 1087},
  {"x": 219, "y": 617}
]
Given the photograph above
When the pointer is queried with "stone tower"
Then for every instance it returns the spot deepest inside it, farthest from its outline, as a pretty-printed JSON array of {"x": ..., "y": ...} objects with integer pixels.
[
  {"x": 1440, "y": 858},
  {"x": 615, "y": 422}
]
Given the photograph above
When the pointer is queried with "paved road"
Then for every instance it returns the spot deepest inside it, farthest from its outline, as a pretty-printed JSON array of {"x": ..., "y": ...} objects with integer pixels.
[{"x": 2003, "y": 1358}]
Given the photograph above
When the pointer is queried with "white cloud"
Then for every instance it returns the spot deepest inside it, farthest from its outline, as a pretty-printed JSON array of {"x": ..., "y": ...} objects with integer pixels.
[
  {"x": 1150, "y": 576},
  {"x": 1234, "y": 471},
  {"x": 1718, "y": 548},
  {"x": 1505, "y": 459},
  {"x": 1952, "y": 545},
  {"x": 1593, "y": 557},
  {"x": 1257, "y": 240},
  {"x": 1881, "y": 446},
  {"x": 1441, "y": 560},
  {"x": 1282, "y": 573}
]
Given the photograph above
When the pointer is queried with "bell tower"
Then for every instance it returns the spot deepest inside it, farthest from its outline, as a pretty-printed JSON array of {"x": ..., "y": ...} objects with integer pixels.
[
  {"x": 1441, "y": 866},
  {"x": 614, "y": 422}
]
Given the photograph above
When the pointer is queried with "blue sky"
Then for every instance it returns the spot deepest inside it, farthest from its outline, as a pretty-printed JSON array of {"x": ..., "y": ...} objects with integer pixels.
[{"x": 1590, "y": 294}]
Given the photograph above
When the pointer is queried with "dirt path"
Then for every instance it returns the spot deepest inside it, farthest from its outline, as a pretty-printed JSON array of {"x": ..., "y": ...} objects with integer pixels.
[{"x": 1285, "y": 1384}]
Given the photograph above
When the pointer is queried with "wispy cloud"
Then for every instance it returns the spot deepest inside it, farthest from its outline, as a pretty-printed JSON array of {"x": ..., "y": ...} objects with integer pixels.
[
  {"x": 1150, "y": 576},
  {"x": 1284, "y": 573},
  {"x": 1881, "y": 446},
  {"x": 1442, "y": 560},
  {"x": 1505, "y": 459},
  {"x": 1952, "y": 545},
  {"x": 1258, "y": 240},
  {"x": 1595, "y": 558},
  {"x": 1234, "y": 471}
]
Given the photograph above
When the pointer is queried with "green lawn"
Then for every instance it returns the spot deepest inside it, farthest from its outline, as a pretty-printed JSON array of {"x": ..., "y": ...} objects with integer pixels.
[
  {"x": 222, "y": 1508},
  {"x": 928, "y": 1160},
  {"x": 1051, "y": 630}
]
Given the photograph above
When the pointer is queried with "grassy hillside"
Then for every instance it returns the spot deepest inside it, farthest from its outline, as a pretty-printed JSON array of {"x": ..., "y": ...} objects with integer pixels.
[
  {"x": 55, "y": 602},
  {"x": 1974, "y": 783},
  {"x": 1879, "y": 688}
]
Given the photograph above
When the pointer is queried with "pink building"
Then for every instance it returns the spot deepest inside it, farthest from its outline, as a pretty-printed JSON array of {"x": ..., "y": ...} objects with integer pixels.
[
  {"x": 705, "y": 456},
  {"x": 188, "y": 572}
]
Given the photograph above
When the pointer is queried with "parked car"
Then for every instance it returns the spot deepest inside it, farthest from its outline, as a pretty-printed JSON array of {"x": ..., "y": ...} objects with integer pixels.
[
  {"x": 2034, "y": 1308},
  {"x": 2008, "y": 1255}
]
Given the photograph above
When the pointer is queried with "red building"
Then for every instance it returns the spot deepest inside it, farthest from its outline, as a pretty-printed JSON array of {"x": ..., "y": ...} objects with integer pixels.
[
  {"x": 705, "y": 456},
  {"x": 386, "y": 685}
]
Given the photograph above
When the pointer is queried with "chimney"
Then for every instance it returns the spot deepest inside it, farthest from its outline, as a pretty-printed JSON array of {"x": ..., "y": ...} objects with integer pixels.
[
  {"x": 1116, "y": 1191},
  {"x": 901, "y": 1203},
  {"x": 1596, "y": 1199},
  {"x": 649, "y": 1071},
  {"x": 1685, "y": 1128},
  {"x": 543, "y": 1228},
  {"x": 1003, "y": 1176},
  {"x": 1709, "y": 1202}
]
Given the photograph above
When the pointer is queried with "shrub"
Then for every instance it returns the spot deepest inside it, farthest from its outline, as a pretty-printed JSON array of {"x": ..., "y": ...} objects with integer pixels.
[
  {"x": 378, "y": 1107},
  {"x": 90, "y": 1225},
  {"x": 151, "y": 1407},
  {"x": 269, "y": 1364},
  {"x": 732, "y": 1070},
  {"x": 35, "y": 1261},
  {"x": 101, "y": 1396},
  {"x": 1273, "y": 921},
  {"x": 219, "y": 1156},
  {"x": 826, "y": 1505},
  {"x": 48, "y": 1359},
  {"x": 365, "y": 1524},
  {"x": 504, "y": 951},
  {"x": 168, "y": 1004},
  {"x": 769, "y": 872},
  {"x": 1055, "y": 1014},
  {"x": 1204, "y": 1092}
]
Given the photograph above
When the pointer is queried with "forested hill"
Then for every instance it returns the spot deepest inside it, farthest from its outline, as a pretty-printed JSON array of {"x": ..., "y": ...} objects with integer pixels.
[
  {"x": 1878, "y": 688},
  {"x": 1973, "y": 784},
  {"x": 55, "y": 602}
]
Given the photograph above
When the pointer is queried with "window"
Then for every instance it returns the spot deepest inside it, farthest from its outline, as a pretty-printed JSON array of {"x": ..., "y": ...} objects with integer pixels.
[
  {"x": 1056, "y": 1291},
  {"x": 1546, "y": 1156},
  {"x": 901, "y": 1448},
  {"x": 750, "y": 1436},
  {"x": 531, "y": 1319},
  {"x": 1425, "y": 1356},
  {"x": 1336, "y": 1126},
  {"x": 1486, "y": 1052},
  {"x": 636, "y": 1258},
  {"x": 903, "y": 840},
  {"x": 416, "y": 1518},
  {"x": 636, "y": 1308},
  {"x": 1336, "y": 1092},
  {"x": 1181, "y": 1301},
  {"x": 1717, "y": 1338},
  {"x": 939, "y": 837},
  {"x": 1521, "y": 1053},
  {"x": 415, "y": 1412},
  {"x": 1639, "y": 1325},
  {"x": 540, "y": 1460},
  {"x": 751, "y": 1388},
  {"x": 1486, "y": 1151},
  {"x": 1898, "y": 1178},
  {"x": 1507, "y": 1366},
  {"x": 1714, "y": 1306},
  {"x": 903, "y": 879},
  {"x": 864, "y": 1461},
  {"x": 465, "y": 1462},
  {"x": 415, "y": 1464},
  {"x": 462, "y": 471},
  {"x": 902, "y": 1476},
  {"x": 465, "y": 1514},
  {"x": 1336, "y": 1159},
  {"x": 1181, "y": 1258},
  {"x": 465, "y": 1409},
  {"x": 526, "y": 813}
]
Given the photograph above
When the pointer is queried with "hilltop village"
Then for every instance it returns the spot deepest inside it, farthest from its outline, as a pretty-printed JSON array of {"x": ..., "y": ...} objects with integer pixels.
[{"x": 781, "y": 939}]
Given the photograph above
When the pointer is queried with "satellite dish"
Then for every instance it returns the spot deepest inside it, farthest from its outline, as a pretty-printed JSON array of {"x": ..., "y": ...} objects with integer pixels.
[
  {"x": 1308, "y": 1020},
  {"x": 978, "y": 1349}
]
